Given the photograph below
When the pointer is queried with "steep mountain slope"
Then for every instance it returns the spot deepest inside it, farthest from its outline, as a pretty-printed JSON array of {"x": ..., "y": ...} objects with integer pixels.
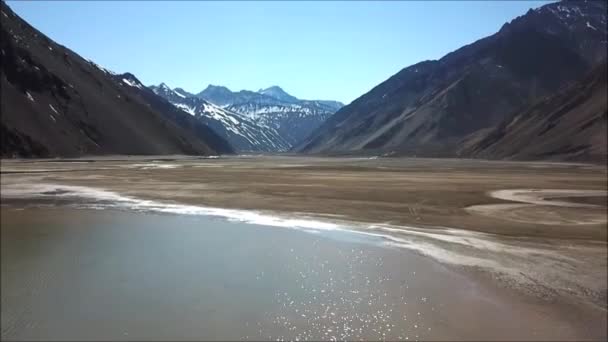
[
  {"x": 55, "y": 103},
  {"x": 177, "y": 115},
  {"x": 292, "y": 118},
  {"x": 242, "y": 133},
  {"x": 569, "y": 125},
  {"x": 428, "y": 108}
]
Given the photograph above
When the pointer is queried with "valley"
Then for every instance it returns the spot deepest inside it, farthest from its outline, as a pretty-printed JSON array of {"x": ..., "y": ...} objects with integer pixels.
[
  {"x": 399, "y": 191},
  {"x": 269, "y": 120},
  {"x": 528, "y": 230},
  {"x": 462, "y": 198}
]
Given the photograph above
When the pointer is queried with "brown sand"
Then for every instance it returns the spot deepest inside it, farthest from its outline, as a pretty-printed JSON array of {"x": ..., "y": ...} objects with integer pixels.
[
  {"x": 400, "y": 191},
  {"x": 555, "y": 251}
]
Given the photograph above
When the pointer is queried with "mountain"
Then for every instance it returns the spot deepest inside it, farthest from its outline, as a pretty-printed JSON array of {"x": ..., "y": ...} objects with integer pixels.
[
  {"x": 182, "y": 92},
  {"x": 568, "y": 125},
  {"x": 56, "y": 103},
  {"x": 219, "y": 95},
  {"x": 179, "y": 116},
  {"x": 278, "y": 93},
  {"x": 242, "y": 133},
  {"x": 292, "y": 118},
  {"x": 427, "y": 109}
]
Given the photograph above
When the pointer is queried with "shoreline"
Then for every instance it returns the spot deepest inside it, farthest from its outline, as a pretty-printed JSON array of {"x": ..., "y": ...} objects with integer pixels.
[
  {"x": 448, "y": 246},
  {"x": 522, "y": 199},
  {"x": 397, "y": 191},
  {"x": 402, "y": 204},
  {"x": 481, "y": 286}
]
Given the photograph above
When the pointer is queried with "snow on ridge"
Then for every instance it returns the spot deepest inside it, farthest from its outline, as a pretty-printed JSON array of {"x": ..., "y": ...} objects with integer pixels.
[
  {"x": 255, "y": 134},
  {"x": 263, "y": 113},
  {"x": 241, "y": 129},
  {"x": 563, "y": 9},
  {"x": 107, "y": 71},
  {"x": 132, "y": 83},
  {"x": 179, "y": 94},
  {"x": 578, "y": 11},
  {"x": 53, "y": 109},
  {"x": 184, "y": 107},
  {"x": 219, "y": 113}
]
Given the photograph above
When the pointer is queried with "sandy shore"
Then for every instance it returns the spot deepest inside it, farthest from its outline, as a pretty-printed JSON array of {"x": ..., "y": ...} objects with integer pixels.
[
  {"x": 399, "y": 191},
  {"x": 534, "y": 202}
]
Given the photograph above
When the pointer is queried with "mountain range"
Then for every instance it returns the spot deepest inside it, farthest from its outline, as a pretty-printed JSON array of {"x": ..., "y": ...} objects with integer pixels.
[
  {"x": 56, "y": 103},
  {"x": 439, "y": 107},
  {"x": 536, "y": 89},
  {"x": 245, "y": 134},
  {"x": 269, "y": 120},
  {"x": 294, "y": 119}
]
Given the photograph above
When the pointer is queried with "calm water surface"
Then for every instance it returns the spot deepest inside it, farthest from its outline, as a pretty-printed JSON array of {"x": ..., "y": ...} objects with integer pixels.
[{"x": 107, "y": 274}]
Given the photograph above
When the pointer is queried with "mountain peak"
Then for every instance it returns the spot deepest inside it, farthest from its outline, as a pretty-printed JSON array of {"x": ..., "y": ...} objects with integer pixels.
[
  {"x": 181, "y": 91},
  {"x": 128, "y": 75},
  {"x": 130, "y": 79},
  {"x": 278, "y": 93},
  {"x": 218, "y": 95},
  {"x": 217, "y": 88},
  {"x": 271, "y": 88}
]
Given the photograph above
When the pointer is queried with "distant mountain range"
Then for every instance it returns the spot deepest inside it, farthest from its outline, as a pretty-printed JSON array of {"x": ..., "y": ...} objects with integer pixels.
[
  {"x": 292, "y": 118},
  {"x": 269, "y": 120},
  {"x": 479, "y": 100},
  {"x": 242, "y": 132},
  {"x": 536, "y": 89},
  {"x": 56, "y": 103}
]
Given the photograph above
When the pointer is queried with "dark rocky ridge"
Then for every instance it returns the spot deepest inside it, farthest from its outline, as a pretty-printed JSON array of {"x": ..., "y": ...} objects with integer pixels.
[
  {"x": 427, "y": 109},
  {"x": 569, "y": 125},
  {"x": 199, "y": 128},
  {"x": 55, "y": 103}
]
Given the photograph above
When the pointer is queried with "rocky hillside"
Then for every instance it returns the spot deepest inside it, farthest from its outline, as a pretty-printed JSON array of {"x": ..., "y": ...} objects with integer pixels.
[
  {"x": 55, "y": 103},
  {"x": 427, "y": 109},
  {"x": 569, "y": 125},
  {"x": 292, "y": 118},
  {"x": 243, "y": 133}
]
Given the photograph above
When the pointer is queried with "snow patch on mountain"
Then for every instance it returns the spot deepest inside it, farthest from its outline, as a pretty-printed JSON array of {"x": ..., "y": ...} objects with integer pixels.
[
  {"x": 132, "y": 83},
  {"x": 184, "y": 107},
  {"x": 180, "y": 94},
  {"x": 292, "y": 118},
  {"x": 242, "y": 132}
]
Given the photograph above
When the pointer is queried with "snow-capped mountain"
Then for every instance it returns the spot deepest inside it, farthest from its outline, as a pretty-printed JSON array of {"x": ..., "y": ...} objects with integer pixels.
[
  {"x": 243, "y": 133},
  {"x": 278, "y": 93},
  {"x": 292, "y": 118}
]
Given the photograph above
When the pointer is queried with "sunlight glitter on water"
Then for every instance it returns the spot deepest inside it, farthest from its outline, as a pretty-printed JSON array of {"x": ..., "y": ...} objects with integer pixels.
[{"x": 528, "y": 263}]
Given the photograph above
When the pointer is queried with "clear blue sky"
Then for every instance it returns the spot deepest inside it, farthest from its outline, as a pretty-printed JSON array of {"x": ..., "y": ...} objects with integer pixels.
[{"x": 314, "y": 50}]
